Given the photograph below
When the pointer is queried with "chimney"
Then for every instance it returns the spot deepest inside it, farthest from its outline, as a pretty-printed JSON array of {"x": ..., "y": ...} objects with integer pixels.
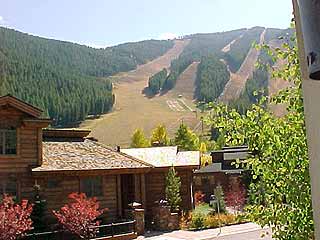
[{"x": 118, "y": 148}]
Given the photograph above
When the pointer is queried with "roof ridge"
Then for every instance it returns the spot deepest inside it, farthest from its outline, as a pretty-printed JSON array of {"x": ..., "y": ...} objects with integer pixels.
[{"x": 120, "y": 153}]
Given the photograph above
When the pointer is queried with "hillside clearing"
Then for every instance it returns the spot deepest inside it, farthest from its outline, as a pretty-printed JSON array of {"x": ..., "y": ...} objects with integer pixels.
[{"x": 135, "y": 110}]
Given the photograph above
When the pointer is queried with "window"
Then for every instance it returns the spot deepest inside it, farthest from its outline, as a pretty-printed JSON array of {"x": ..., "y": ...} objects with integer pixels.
[
  {"x": 53, "y": 183},
  {"x": 8, "y": 187},
  {"x": 8, "y": 141},
  {"x": 92, "y": 187}
]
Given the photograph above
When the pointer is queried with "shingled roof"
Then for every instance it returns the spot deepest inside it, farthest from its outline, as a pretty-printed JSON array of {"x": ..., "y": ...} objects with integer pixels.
[{"x": 85, "y": 155}]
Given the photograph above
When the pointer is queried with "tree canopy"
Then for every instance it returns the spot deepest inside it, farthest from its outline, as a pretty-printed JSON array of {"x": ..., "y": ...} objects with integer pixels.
[
  {"x": 67, "y": 80},
  {"x": 139, "y": 140}
]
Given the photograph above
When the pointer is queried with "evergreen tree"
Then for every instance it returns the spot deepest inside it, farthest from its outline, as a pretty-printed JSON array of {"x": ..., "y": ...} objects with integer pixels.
[
  {"x": 159, "y": 136},
  {"x": 138, "y": 139},
  {"x": 173, "y": 184},
  {"x": 186, "y": 139}
]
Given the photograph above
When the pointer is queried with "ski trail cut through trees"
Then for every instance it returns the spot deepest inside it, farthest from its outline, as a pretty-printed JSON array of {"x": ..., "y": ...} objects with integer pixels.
[{"x": 237, "y": 81}]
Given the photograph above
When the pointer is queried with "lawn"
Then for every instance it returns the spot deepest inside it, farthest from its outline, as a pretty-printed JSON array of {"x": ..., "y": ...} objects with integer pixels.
[{"x": 203, "y": 209}]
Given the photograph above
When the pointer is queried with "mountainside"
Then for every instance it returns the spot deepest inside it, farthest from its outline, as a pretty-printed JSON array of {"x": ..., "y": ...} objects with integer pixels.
[
  {"x": 71, "y": 81},
  {"x": 67, "y": 80}
]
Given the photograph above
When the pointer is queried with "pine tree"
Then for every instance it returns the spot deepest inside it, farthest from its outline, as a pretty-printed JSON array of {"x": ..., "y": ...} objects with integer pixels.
[
  {"x": 138, "y": 140},
  {"x": 173, "y": 184},
  {"x": 159, "y": 136},
  {"x": 186, "y": 139}
]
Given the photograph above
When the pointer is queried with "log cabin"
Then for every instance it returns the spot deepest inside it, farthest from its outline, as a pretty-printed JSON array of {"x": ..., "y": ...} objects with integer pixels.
[{"x": 64, "y": 161}]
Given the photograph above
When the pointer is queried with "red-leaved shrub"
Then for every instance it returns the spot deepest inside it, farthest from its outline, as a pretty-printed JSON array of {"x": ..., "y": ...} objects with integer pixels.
[
  {"x": 198, "y": 198},
  {"x": 79, "y": 216},
  {"x": 15, "y": 219},
  {"x": 236, "y": 198}
]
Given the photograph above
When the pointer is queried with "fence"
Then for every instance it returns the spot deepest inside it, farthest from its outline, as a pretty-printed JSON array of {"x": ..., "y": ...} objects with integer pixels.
[{"x": 122, "y": 230}]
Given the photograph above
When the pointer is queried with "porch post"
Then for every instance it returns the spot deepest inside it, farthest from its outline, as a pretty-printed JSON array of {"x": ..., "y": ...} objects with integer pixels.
[
  {"x": 119, "y": 196},
  {"x": 143, "y": 190},
  {"x": 137, "y": 189}
]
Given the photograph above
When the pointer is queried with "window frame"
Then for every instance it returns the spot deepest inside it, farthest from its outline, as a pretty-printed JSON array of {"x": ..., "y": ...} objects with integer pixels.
[
  {"x": 4, "y": 184},
  {"x": 92, "y": 192},
  {"x": 17, "y": 143}
]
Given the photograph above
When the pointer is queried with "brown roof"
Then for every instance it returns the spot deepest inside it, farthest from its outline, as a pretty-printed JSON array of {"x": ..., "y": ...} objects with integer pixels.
[
  {"x": 86, "y": 155},
  {"x": 21, "y": 105}
]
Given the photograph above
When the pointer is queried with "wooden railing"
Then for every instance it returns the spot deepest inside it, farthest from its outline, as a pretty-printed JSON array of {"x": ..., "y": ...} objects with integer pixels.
[{"x": 121, "y": 230}]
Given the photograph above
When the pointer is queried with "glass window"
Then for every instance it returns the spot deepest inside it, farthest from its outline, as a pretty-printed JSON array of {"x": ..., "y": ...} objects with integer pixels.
[
  {"x": 92, "y": 186},
  {"x": 8, "y": 187},
  {"x": 8, "y": 141},
  {"x": 53, "y": 183}
]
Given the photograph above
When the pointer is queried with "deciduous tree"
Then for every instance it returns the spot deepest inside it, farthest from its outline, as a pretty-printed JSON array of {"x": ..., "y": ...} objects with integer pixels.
[
  {"x": 138, "y": 139},
  {"x": 15, "y": 219},
  {"x": 79, "y": 216},
  {"x": 280, "y": 196}
]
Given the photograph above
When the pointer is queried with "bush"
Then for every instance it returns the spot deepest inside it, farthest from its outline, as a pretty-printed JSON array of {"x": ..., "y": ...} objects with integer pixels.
[
  {"x": 197, "y": 221},
  {"x": 213, "y": 221}
]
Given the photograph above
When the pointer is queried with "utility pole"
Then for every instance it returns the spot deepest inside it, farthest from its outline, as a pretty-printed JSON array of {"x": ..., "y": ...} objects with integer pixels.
[{"x": 307, "y": 20}]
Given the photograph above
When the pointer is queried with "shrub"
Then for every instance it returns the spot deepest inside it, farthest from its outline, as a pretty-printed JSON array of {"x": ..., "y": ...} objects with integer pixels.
[
  {"x": 213, "y": 221},
  {"x": 236, "y": 198},
  {"x": 185, "y": 220},
  {"x": 79, "y": 216},
  {"x": 197, "y": 221},
  {"x": 199, "y": 198},
  {"x": 15, "y": 219}
]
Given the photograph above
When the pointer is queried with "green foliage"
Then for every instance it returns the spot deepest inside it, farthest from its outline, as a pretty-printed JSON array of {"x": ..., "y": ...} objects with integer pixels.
[
  {"x": 138, "y": 140},
  {"x": 173, "y": 185},
  {"x": 280, "y": 196},
  {"x": 67, "y": 80},
  {"x": 159, "y": 136},
  {"x": 197, "y": 221},
  {"x": 212, "y": 76},
  {"x": 185, "y": 139},
  {"x": 156, "y": 81},
  {"x": 239, "y": 50}
]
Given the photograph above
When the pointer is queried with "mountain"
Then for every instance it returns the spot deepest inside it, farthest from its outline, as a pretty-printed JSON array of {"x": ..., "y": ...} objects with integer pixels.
[
  {"x": 71, "y": 81},
  {"x": 67, "y": 80}
]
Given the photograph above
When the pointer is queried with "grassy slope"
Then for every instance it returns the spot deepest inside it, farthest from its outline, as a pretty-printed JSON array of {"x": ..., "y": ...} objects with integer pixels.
[{"x": 135, "y": 110}]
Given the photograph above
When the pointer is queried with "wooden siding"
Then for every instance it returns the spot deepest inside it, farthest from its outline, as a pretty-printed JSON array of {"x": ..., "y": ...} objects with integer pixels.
[
  {"x": 29, "y": 143},
  {"x": 58, "y": 196},
  {"x": 155, "y": 187}
]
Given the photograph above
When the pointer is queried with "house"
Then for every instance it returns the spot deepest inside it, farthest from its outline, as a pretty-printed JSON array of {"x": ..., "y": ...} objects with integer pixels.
[
  {"x": 184, "y": 162},
  {"x": 221, "y": 171},
  {"x": 65, "y": 161}
]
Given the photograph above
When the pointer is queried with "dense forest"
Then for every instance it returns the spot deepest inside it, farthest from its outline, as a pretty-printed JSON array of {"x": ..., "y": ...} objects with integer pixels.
[
  {"x": 67, "y": 80},
  {"x": 156, "y": 81},
  {"x": 212, "y": 76}
]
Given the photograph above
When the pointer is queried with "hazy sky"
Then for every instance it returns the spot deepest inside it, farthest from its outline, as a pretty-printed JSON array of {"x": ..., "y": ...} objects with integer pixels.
[{"x": 109, "y": 22}]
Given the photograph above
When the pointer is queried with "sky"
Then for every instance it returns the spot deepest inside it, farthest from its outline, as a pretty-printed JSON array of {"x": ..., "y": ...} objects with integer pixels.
[{"x": 101, "y": 23}]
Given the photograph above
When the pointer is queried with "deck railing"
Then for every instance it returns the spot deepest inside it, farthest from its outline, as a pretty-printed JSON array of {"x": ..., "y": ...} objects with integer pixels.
[{"x": 125, "y": 230}]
